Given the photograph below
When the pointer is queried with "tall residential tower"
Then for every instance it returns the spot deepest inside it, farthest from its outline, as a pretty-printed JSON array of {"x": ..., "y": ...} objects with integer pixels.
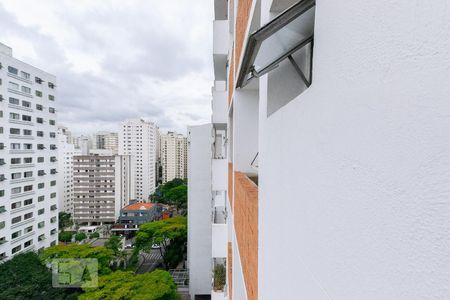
[
  {"x": 28, "y": 157},
  {"x": 137, "y": 138}
]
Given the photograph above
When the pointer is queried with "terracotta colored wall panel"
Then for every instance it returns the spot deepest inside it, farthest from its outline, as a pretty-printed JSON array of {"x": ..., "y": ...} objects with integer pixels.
[
  {"x": 246, "y": 227},
  {"x": 242, "y": 17}
]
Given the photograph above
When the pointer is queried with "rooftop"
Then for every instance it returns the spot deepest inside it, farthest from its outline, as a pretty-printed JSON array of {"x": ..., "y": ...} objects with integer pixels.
[{"x": 139, "y": 206}]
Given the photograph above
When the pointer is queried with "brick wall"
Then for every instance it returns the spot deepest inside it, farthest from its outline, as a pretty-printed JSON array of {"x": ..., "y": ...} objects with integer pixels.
[
  {"x": 242, "y": 17},
  {"x": 246, "y": 227}
]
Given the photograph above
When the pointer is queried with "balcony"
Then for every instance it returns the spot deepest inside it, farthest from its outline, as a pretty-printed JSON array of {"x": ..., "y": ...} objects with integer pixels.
[
  {"x": 219, "y": 174},
  {"x": 220, "y": 48},
  {"x": 219, "y": 236},
  {"x": 219, "y": 278},
  {"x": 219, "y": 103}
]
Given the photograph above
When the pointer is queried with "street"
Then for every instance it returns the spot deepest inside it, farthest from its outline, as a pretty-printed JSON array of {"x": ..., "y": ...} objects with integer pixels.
[{"x": 149, "y": 261}]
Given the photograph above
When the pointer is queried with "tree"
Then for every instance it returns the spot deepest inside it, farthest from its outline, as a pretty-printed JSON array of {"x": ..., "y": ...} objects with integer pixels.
[
  {"x": 157, "y": 285},
  {"x": 24, "y": 277},
  {"x": 80, "y": 236},
  {"x": 65, "y": 236},
  {"x": 177, "y": 196},
  {"x": 114, "y": 244},
  {"x": 65, "y": 220},
  {"x": 94, "y": 235},
  {"x": 103, "y": 255},
  {"x": 170, "y": 234}
]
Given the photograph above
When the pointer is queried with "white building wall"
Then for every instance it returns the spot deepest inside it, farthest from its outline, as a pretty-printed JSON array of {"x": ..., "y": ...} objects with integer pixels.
[
  {"x": 199, "y": 209},
  {"x": 173, "y": 153},
  {"x": 27, "y": 109},
  {"x": 355, "y": 169},
  {"x": 125, "y": 182},
  {"x": 138, "y": 139},
  {"x": 66, "y": 152}
]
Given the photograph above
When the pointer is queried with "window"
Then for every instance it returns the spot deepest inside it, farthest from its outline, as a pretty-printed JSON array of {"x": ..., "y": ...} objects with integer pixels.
[
  {"x": 52, "y": 122},
  {"x": 39, "y": 120},
  {"x": 13, "y": 86},
  {"x": 41, "y": 198},
  {"x": 53, "y": 183},
  {"x": 28, "y": 216},
  {"x": 28, "y": 174},
  {"x": 38, "y": 80},
  {"x": 41, "y": 211},
  {"x": 26, "y": 89},
  {"x": 28, "y": 202},
  {"x": 51, "y": 85},
  {"x": 14, "y": 116},
  {"x": 16, "y": 175},
  {"x": 27, "y": 132},
  {"x": 40, "y": 133},
  {"x": 15, "y": 161},
  {"x": 28, "y": 229},
  {"x": 16, "y": 249},
  {"x": 26, "y": 118},
  {"x": 53, "y": 195},
  {"x": 41, "y": 224},
  {"x": 15, "y": 146},
  {"x": 51, "y": 97},
  {"x": 52, "y": 134},
  {"x": 25, "y": 75},
  {"x": 13, "y": 70},
  {"x": 14, "y": 131},
  {"x": 15, "y": 205},
  {"x": 26, "y": 104},
  {"x": 40, "y": 159},
  {"x": 28, "y": 160},
  {"x": 16, "y": 190},
  {"x": 28, "y": 243},
  {"x": 41, "y": 185},
  {"x": 28, "y": 188},
  {"x": 28, "y": 146},
  {"x": 16, "y": 219},
  {"x": 2, "y": 193},
  {"x": 14, "y": 101},
  {"x": 39, "y": 107},
  {"x": 38, "y": 93}
]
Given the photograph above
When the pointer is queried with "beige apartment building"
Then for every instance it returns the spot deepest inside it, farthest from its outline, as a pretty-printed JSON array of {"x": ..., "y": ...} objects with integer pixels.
[{"x": 173, "y": 156}]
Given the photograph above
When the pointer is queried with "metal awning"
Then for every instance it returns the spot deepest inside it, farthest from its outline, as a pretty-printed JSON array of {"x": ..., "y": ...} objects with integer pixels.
[{"x": 276, "y": 41}]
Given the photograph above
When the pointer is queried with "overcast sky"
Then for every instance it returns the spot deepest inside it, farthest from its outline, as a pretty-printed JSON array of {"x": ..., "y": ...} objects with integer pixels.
[{"x": 118, "y": 59}]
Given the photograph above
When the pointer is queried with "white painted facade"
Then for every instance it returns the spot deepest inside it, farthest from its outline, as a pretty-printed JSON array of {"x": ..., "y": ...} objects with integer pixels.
[
  {"x": 199, "y": 210},
  {"x": 28, "y": 157},
  {"x": 351, "y": 171},
  {"x": 107, "y": 140},
  {"x": 138, "y": 139},
  {"x": 65, "y": 172},
  {"x": 173, "y": 154}
]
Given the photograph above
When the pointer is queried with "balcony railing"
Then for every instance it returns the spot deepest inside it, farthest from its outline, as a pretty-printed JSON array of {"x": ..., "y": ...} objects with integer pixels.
[{"x": 219, "y": 215}]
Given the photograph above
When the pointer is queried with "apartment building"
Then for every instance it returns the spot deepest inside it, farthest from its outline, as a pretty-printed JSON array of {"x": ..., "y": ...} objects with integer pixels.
[
  {"x": 173, "y": 154},
  {"x": 66, "y": 154},
  {"x": 137, "y": 138},
  {"x": 103, "y": 185},
  {"x": 107, "y": 141},
  {"x": 337, "y": 164},
  {"x": 28, "y": 157}
]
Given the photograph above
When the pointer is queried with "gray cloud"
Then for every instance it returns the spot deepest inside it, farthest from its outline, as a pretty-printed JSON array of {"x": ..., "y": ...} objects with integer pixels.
[{"x": 115, "y": 61}]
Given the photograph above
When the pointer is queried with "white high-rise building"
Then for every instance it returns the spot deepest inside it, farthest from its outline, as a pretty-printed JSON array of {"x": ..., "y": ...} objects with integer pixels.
[
  {"x": 107, "y": 141},
  {"x": 138, "y": 139},
  {"x": 28, "y": 157},
  {"x": 65, "y": 172},
  {"x": 173, "y": 154}
]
